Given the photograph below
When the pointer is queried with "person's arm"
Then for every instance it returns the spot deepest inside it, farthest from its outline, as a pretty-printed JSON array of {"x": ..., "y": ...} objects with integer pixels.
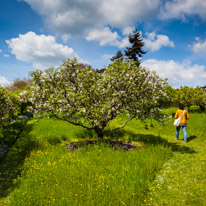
[
  {"x": 176, "y": 115},
  {"x": 188, "y": 116}
]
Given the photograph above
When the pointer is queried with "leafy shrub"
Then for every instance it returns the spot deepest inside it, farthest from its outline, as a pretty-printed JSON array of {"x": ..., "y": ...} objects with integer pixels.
[
  {"x": 9, "y": 106},
  {"x": 9, "y": 134}
]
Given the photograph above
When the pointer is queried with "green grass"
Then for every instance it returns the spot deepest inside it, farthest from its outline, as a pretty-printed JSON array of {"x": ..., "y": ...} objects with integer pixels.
[
  {"x": 39, "y": 170},
  {"x": 58, "y": 177},
  {"x": 182, "y": 180}
]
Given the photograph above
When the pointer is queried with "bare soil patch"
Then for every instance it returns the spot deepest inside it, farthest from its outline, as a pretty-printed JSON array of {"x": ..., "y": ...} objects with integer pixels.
[{"x": 112, "y": 143}]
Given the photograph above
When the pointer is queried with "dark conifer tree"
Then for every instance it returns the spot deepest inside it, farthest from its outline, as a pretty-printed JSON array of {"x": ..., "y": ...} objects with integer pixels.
[
  {"x": 135, "y": 51},
  {"x": 119, "y": 57}
]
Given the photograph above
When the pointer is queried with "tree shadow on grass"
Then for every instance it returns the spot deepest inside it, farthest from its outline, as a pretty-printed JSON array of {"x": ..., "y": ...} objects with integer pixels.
[
  {"x": 149, "y": 139},
  {"x": 11, "y": 164},
  {"x": 83, "y": 134}
]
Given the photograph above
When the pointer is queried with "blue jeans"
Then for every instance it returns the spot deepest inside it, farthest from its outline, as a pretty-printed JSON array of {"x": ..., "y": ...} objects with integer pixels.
[{"x": 184, "y": 129}]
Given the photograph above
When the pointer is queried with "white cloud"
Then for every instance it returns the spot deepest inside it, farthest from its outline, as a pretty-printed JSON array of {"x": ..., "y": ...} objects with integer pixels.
[
  {"x": 107, "y": 37},
  {"x": 6, "y": 55},
  {"x": 40, "y": 50},
  {"x": 0, "y": 50},
  {"x": 199, "y": 47},
  {"x": 107, "y": 56},
  {"x": 154, "y": 42},
  {"x": 78, "y": 17},
  {"x": 178, "y": 74},
  {"x": 122, "y": 43},
  {"x": 3, "y": 81},
  {"x": 128, "y": 30},
  {"x": 180, "y": 9}
]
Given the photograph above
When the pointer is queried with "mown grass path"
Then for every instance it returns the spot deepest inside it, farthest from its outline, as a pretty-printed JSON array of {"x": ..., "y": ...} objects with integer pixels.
[{"x": 182, "y": 180}]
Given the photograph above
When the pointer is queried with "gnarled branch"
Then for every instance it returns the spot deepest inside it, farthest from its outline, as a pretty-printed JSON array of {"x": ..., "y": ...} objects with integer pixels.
[{"x": 119, "y": 127}]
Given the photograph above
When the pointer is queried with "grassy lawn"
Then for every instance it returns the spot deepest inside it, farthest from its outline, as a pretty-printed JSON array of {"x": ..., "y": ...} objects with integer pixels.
[
  {"x": 182, "y": 180},
  {"x": 39, "y": 170}
]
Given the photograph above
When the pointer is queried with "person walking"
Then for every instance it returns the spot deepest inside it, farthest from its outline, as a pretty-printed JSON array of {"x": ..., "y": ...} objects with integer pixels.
[{"x": 183, "y": 122}]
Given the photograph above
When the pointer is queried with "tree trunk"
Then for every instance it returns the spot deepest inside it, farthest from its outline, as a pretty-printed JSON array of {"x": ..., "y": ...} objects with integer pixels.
[
  {"x": 100, "y": 132},
  {"x": 202, "y": 108},
  {"x": 189, "y": 108},
  {"x": 100, "y": 135}
]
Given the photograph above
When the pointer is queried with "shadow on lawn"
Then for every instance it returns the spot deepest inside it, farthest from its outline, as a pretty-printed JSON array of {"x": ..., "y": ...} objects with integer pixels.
[
  {"x": 11, "y": 165},
  {"x": 191, "y": 138},
  {"x": 152, "y": 140}
]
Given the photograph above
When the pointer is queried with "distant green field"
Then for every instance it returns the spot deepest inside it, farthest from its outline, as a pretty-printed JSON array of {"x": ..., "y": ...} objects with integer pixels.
[{"x": 39, "y": 170}]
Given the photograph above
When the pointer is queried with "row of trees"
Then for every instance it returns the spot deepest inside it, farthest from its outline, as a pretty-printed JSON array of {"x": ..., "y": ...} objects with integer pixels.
[
  {"x": 83, "y": 96},
  {"x": 190, "y": 96}
]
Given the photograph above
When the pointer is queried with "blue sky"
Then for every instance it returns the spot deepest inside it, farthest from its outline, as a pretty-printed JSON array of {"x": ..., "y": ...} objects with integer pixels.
[{"x": 38, "y": 34}]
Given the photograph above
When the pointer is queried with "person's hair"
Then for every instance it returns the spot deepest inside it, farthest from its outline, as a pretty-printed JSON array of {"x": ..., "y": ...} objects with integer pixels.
[{"x": 181, "y": 106}]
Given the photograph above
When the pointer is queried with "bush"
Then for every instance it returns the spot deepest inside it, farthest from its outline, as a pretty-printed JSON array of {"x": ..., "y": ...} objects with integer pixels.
[
  {"x": 9, "y": 134},
  {"x": 9, "y": 107}
]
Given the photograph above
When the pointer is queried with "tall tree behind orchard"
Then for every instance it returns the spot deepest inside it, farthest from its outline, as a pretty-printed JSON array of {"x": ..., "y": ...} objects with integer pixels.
[{"x": 135, "y": 52}]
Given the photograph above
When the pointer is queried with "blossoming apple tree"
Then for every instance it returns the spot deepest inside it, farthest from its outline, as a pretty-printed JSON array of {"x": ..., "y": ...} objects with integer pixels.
[{"x": 92, "y": 98}]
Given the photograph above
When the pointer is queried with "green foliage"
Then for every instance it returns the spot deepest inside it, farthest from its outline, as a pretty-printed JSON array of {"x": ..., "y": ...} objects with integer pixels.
[
  {"x": 10, "y": 124},
  {"x": 199, "y": 98},
  {"x": 9, "y": 106},
  {"x": 10, "y": 132},
  {"x": 185, "y": 96},
  {"x": 192, "y": 96},
  {"x": 171, "y": 93}
]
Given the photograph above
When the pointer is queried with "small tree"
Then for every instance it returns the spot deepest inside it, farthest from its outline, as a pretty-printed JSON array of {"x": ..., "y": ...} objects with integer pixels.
[
  {"x": 169, "y": 99},
  {"x": 200, "y": 97},
  {"x": 19, "y": 84},
  {"x": 135, "y": 52},
  {"x": 92, "y": 99},
  {"x": 119, "y": 57}
]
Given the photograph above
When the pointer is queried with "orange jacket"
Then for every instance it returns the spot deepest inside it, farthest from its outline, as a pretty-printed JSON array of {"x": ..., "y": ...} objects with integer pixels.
[{"x": 184, "y": 117}]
